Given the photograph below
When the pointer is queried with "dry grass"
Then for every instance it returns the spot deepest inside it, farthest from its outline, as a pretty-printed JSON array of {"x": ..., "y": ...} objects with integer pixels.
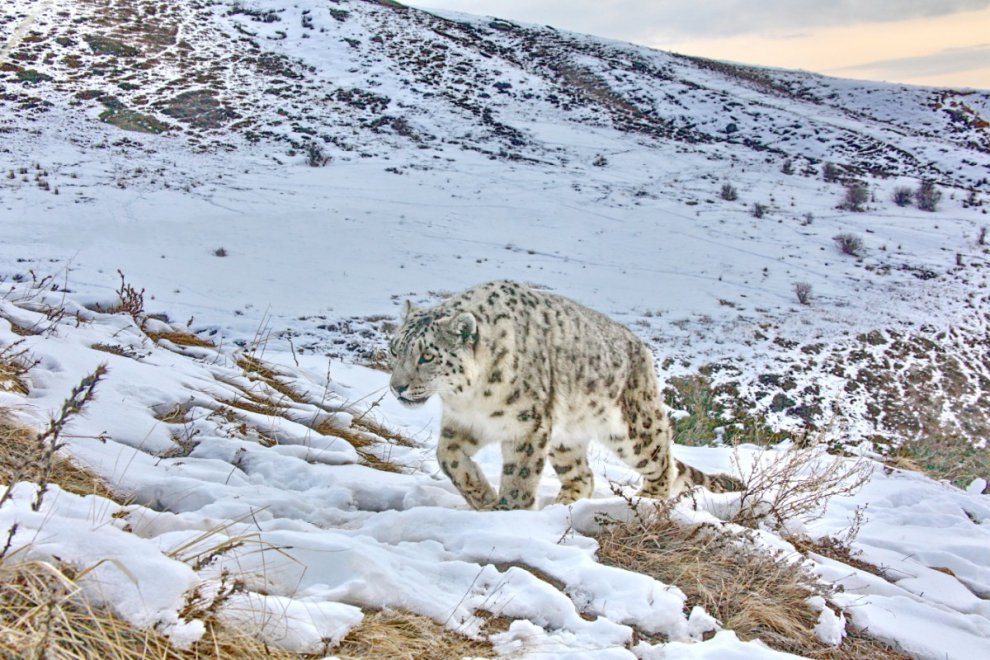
[
  {"x": 361, "y": 441},
  {"x": 180, "y": 338},
  {"x": 255, "y": 404},
  {"x": 833, "y": 549},
  {"x": 14, "y": 366},
  {"x": 115, "y": 349},
  {"x": 371, "y": 426},
  {"x": 255, "y": 368},
  {"x": 362, "y": 434},
  {"x": 43, "y": 614},
  {"x": 404, "y": 636},
  {"x": 954, "y": 459},
  {"x": 22, "y": 458},
  {"x": 753, "y": 593}
]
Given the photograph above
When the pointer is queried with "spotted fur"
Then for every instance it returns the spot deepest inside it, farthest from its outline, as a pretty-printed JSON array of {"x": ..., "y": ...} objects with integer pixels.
[{"x": 542, "y": 376}]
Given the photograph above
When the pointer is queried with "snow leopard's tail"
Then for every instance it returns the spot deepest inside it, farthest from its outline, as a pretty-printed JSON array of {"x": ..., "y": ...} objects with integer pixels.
[{"x": 688, "y": 477}]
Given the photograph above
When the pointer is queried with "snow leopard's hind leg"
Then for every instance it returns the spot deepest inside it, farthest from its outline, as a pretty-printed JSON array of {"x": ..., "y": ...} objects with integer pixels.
[{"x": 646, "y": 447}]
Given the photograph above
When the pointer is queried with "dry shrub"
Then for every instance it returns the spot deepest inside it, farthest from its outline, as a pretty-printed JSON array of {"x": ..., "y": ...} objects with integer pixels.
[
  {"x": 927, "y": 196},
  {"x": 850, "y": 244},
  {"x": 26, "y": 455},
  {"x": 754, "y": 593},
  {"x": 401, "y": 635},
  {"x": 902, "y": 196},
  {"x": 796, "y": 485},
  {"x": 856, "y": 197},
  {"x": 131, "y": 301}
]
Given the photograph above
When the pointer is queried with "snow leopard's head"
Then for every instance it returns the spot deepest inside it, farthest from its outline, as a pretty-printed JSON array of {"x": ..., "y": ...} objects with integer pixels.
[{"x": 432, "y": 353}]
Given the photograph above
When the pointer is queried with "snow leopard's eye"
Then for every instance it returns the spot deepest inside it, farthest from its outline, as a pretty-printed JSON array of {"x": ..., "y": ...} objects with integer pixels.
[{"x": 426, "y": 358}]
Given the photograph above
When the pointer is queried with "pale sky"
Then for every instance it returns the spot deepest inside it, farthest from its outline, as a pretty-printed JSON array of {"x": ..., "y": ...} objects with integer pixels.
[{"x": 924, "y": 42}]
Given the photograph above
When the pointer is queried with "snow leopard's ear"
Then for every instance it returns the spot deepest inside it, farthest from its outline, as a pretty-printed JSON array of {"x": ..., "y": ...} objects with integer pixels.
[
  {"x": 463, "y": 329},
  {"x": 409, "y": 308}
]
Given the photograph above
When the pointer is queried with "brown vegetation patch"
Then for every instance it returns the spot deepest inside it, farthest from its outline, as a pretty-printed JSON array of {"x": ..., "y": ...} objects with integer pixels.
[
  {"x": 199, "y": 108},
  {"x": 21, "y": 330},
  {"x": 401, "y": 635},
  {"x": 23, "y": 458},
  {"x": 753, "y": 593},
  {"x": 255, "y": 405},
  {"x": 177, "y": 414},
  {"x": 371, "y": 426},
  {"x": 43, "y": 614},
  {"x": 254, "y": 367},
  {"x": 361, "y": 441},
  {"x": 180, "y": 338},
  {"x": 834, "y": 549},
  {"x": 941, "y": 456},
  {"x": 14, "y": 366},
  {"x": 115, "y": 349}
]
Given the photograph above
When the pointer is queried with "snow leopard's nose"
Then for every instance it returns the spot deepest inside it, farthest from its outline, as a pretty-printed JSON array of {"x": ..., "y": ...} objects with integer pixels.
[{"x": 399, "y": 389}]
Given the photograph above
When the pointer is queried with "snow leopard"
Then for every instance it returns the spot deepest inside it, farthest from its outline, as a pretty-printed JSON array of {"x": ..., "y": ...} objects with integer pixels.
[{"x": 542, "y": 376}]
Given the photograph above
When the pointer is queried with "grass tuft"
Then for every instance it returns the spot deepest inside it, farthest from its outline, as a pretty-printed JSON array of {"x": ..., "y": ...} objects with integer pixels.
[
  {"x": 14, "y": 366},
  {"x": 22, "y": 458},
  {"x": 953, "y": 459},
  {"x": 362, "y": 441},
  {"x": 395, "y": 634},
  {"x": 257, "y": 369},
  {"x": 755, "y": 594},
  {"x": 180, "y": 338},
  {"x": 43, "y": 615}
]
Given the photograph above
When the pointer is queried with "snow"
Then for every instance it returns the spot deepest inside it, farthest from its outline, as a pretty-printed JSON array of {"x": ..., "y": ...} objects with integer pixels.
[
  {"x": 315, "y": 535},
  {"x": 319, "y": 261}
]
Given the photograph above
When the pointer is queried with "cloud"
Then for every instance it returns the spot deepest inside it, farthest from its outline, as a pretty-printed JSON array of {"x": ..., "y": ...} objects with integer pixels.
[
  {"x": 631, "y": 19},
  {"x": 947, "y": 60}
]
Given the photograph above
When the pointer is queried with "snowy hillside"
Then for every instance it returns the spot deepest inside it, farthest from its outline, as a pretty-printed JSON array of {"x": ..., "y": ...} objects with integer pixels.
[
  {"x": 279, "y": 177},
  {"x": 467, "y": 149}
]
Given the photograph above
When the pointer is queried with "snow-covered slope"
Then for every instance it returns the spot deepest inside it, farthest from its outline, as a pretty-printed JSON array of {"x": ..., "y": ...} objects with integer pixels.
[
  {"x": 173, "y": 141},
  {"x": 465, "y": 149},
  {"x": 250, "y": 473}
]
